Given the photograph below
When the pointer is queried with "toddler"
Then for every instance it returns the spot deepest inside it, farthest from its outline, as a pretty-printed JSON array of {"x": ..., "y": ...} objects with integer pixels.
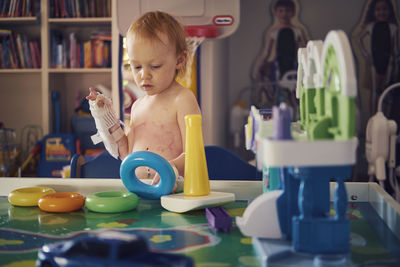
[{"x": 157, "y": 52}]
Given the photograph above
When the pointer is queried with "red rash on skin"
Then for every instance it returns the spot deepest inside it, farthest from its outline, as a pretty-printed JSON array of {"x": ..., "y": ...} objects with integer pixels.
[{"x": 164, "y": 140}]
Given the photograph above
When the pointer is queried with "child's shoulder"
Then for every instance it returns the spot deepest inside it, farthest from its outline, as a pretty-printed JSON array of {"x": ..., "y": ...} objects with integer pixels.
[
  {"x": 184, "y": 92},
  {"x": 186, "y": 96}
]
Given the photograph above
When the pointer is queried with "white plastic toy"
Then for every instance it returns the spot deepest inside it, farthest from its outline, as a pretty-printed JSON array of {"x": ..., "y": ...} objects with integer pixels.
[
  {"x": 261, "y": 217},
  {"x": 308, "y": 162},
  {"x": 380, "y": 146}
]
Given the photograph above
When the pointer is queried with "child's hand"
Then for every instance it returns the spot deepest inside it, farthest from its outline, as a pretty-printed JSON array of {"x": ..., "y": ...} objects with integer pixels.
[
  {"x": 93, "y": 95},
  {"x": 156, "y": 180}
]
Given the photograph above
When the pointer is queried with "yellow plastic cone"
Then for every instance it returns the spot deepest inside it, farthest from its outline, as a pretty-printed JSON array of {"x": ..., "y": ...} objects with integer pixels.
[{"x": 196, "y": 173}]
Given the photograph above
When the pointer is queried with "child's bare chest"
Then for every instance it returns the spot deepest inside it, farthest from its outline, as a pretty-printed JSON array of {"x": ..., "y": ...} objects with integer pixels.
[
  {"x": 156, "y": 129},
  {"x": 154, "y": 114}
]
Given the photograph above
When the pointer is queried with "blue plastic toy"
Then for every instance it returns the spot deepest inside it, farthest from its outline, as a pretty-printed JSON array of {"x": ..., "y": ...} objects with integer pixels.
[
  {"x": 57, "y": 148},
  {"x": 151, "y": 160},
  {"x": 110, "y": 248}
]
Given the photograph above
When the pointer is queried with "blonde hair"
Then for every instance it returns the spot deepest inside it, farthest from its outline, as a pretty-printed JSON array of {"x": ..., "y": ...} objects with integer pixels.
[{"x": 151, "y": 23}]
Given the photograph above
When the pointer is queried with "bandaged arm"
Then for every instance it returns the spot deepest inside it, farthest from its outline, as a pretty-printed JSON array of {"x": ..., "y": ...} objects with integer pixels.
[{"x": 106, "y": 119}]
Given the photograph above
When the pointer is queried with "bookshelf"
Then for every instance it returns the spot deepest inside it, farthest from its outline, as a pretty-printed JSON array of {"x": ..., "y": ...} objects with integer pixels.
[{"x": 25, "y": 93}]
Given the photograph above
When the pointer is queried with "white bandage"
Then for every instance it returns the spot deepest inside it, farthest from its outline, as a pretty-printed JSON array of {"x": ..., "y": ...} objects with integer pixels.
[
  {"x": 175, "y": 171},
  {"x": 117, "y": 134},
  {"x": 179, "y": 184},
  {"x": 105, "y": 118},
  {"x": 178, "y": 179}
]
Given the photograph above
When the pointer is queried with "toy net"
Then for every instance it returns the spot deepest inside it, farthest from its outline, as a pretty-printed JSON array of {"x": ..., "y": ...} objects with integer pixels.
[{"x": 189, "y": 78}]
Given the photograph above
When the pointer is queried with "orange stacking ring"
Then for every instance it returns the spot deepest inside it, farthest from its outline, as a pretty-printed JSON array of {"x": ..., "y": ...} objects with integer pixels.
[
  {"x": 28, "y": 196},
  {"x": 61, "y": 202}
]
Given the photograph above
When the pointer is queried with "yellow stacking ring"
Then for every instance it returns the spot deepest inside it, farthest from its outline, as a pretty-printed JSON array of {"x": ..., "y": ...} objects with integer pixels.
[
  {"x": 28, "y": 196},
  {"x": 112, "y": 201},
  {"x": 61, "y": 202}
]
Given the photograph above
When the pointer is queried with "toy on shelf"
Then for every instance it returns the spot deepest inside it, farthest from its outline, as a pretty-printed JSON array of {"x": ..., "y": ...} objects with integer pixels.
[
  {"x": 196, "y": 192},
  {"x": 308, "y": 161},
  {"x": 259, "y": 126},
  {"x": 219, "y": 219},
  {"x": 56, "y": 148},
  {"x": 238, "y": 114}
]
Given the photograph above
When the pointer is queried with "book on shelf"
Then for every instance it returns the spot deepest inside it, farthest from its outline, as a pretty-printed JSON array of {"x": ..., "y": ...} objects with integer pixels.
[
  {"x": 81, "y": 57},
  {"x": 27, "y": 53},
  {"x": 20, "y": 51},
  {"x": 99, "y": 35},
  {"x": 15, "y": 55},
  {"x": 92, "y": 11},
  {"x": 53, "y": 34},
  {"x": 11, "y": 56},
  {"x": 85, "y": 9},
  {"x": 35, "y": 64},
  {"x": 72, "y": 50},
  {"x": 15, "y": 52},
  {"x": 5, "y": 52},
  {"x": 59, "y": 56},
  {"x": 98, "y": 48},
  {"x": 2, "y": 62},
  {"x": 80, "y": 8},
  {"x": 38, "y": 55},
  {"x": 68, "y": 51},
  {"x": 87, "y": 54},
  {"x": 19, "y": 8}
]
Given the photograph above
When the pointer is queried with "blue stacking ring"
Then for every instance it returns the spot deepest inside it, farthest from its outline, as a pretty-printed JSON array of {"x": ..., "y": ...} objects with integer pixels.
[{"x": 151, "y": 160}]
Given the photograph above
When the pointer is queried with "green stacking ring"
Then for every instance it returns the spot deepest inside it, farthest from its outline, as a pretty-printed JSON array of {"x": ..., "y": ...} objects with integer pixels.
[{"x": 111, "y": 201}]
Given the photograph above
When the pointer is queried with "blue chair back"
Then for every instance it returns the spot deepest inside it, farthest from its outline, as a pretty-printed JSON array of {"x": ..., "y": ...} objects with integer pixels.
[
  {"x": 222, "y": 165},
  {"x": 103, "y": 166}
]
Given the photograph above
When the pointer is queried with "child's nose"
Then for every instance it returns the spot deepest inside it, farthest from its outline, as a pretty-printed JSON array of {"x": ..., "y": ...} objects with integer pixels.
[{"x": 146, "y": 73}]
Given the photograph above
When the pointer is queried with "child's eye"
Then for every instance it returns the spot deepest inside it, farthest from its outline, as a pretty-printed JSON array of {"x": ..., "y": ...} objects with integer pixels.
[
  {"x": 156, "y": 66},
  {"x": 137, "y": 67}
]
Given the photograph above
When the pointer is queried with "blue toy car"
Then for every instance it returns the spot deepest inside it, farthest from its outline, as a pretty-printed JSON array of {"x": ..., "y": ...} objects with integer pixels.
[{"x": 110, "y": 248}]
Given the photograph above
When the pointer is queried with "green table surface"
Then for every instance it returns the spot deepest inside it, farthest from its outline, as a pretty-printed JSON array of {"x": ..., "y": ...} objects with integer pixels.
[{"x": 23, "y": 230}]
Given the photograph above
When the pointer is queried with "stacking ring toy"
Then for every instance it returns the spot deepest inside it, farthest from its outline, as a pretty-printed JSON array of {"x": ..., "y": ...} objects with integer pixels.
[
  {"x": 157, "y": 163},
  {"x": 28, "y": 196},
  {"x": 111, "y": 201},
  {"x": 61, "y": 202}
]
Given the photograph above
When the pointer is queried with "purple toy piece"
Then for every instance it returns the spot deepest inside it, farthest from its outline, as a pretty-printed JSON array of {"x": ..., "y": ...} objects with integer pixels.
[
  {"x": 219, "y": 219},
  {"x": 282, "y": 118}
]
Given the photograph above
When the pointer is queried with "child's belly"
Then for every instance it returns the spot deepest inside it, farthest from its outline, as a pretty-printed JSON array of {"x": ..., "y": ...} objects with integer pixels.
[{"x": 164, "y": 141}]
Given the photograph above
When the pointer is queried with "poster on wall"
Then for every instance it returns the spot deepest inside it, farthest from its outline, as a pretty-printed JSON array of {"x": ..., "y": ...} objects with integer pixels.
[
  {"x": 375, "y": 42},
  {"x": 275, "y": 68}
]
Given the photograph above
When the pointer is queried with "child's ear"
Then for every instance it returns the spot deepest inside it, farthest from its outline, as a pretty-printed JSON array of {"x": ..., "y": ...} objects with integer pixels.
[{"x": 181, "y": 60}]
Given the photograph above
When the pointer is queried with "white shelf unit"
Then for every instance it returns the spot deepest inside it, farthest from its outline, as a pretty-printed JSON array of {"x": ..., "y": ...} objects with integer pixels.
[
  {"x": 21, "y": 89},
  {"x": 25, "y": 94}
]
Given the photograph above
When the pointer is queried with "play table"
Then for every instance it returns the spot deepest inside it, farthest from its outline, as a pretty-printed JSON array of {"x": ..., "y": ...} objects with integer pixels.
[{"x": 374, "y": 221}]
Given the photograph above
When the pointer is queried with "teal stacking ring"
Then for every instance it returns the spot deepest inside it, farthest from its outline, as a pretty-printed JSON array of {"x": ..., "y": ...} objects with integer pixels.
[
  {"x": 151, "y": 160},
  {"x": 111, "y": 201}
]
